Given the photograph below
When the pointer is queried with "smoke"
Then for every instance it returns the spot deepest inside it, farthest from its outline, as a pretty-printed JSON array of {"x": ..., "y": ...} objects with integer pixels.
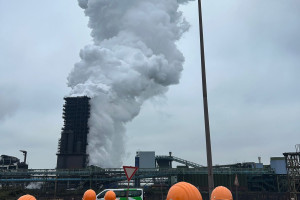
[
  {"x": 8, "y": 103},
  {"x": 34, "y": 185},
  {"x": 133, "y": 58}
]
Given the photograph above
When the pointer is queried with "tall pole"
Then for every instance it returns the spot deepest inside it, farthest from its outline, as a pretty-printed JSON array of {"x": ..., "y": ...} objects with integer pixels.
[
  {"x": 236, "y": 192},
  {"x": 127, "y": 190},
  {"x": 206, "y": 118}
]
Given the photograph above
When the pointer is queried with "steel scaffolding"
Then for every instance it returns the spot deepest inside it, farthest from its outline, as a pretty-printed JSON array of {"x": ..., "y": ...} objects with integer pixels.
[
  {"x": 292, "y": 160},
  {"x": 72, "y": 144}
]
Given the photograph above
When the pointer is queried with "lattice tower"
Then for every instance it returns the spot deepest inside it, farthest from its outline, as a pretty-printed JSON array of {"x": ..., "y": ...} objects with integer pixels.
[{"x": 292, "y": 160}]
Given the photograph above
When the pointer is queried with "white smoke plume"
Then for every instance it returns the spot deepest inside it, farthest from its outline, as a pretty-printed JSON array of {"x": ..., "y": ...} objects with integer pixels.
[
  {"x": 133, "y": 58},
  {"x": 8, "y": 103},
  {"x": 34, "y": 185}
]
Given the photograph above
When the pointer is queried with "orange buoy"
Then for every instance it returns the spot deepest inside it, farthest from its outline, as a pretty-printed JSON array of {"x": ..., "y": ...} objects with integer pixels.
[
  {"x": 89, "y": 195},
  {"x": 221, "y": 192},
  {"x": 184, "y": 191},
  {"x": 109, "y": 195},
  {"x": 27, "y": 197}
]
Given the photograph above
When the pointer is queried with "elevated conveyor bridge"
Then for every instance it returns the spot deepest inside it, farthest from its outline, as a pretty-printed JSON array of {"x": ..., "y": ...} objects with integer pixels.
[{"x": 179, "y": 160}]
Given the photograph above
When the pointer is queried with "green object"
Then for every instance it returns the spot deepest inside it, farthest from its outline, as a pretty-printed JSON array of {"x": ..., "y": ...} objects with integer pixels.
[{"x": 133, "y": 193}]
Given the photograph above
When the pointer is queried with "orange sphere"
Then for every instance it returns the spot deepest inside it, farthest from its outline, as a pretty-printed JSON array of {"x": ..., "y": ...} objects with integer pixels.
[
  {"x": 110, "y": 195},
  {"x": 27, "y": 197},
  {"x": 221, "y": 192},
  {"x": 184, "y": 191},
  {"x": 89, "y": 195}
]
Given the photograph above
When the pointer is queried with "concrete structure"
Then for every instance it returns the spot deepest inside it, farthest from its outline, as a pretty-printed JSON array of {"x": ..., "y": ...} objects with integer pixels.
[
  {"x": 259, "y": 165},
  {"x": 164, "y": 161},
  {"x": 278, "y": 164},
  {"x": 72, "y": 144},
  {"x": 11, "y": 162},
  {"x": 145, "y": 159}
]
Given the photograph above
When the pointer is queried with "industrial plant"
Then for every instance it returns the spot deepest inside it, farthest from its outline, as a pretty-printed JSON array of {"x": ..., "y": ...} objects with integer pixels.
[
  {"x": 72, "y": 144},
  {"x": 157, "y": 173},
  {"x": 248, "y": 180}
]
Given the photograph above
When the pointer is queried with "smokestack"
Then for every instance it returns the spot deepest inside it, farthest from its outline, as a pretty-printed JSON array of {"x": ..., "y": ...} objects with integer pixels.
[
  {"x": 133, "y": 58},
  {"x": 25, "y": 155},
  {"x": 72, "y": 144}
]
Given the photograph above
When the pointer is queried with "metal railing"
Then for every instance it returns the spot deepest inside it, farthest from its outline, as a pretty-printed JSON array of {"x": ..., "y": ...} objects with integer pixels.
[{"x": 111, "y": 174}]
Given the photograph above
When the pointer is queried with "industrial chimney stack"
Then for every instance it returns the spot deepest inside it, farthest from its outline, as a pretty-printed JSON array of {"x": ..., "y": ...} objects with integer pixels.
[{"x": 72, "y": 144}]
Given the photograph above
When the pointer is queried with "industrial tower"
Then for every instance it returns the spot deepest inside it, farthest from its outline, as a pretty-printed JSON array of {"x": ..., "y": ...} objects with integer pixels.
[
  {"x": 292, "y": 160},
  {"x": 72, "y": 144}
]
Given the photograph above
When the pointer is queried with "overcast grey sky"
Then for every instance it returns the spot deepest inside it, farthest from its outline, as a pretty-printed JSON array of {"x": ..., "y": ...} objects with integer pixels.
[{"x": 252, "y": 51}]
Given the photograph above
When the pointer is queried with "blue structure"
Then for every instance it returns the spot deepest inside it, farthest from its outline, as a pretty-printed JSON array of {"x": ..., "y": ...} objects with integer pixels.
[{"x": 278, "y": 164}]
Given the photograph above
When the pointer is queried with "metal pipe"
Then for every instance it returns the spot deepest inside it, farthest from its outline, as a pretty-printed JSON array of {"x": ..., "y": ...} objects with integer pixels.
[
  {"x": 25, "y": 155},
  {"x": 205, "y": 105}
]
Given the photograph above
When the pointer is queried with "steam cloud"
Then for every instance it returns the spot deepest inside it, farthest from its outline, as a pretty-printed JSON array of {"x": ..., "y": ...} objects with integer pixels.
[
  {"x": 8, "y": 104},
  {"x": 133, "y": 58}
]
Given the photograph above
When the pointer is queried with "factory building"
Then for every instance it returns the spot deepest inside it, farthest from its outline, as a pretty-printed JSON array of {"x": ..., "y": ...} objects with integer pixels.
[
  {"x": 11, "y": 162},
  {"x": 145, "y": 159},
  {"x": 256, "y": 180},
  {"x": 72, "y": 144},
  {"x": 278, "y": 164}
]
